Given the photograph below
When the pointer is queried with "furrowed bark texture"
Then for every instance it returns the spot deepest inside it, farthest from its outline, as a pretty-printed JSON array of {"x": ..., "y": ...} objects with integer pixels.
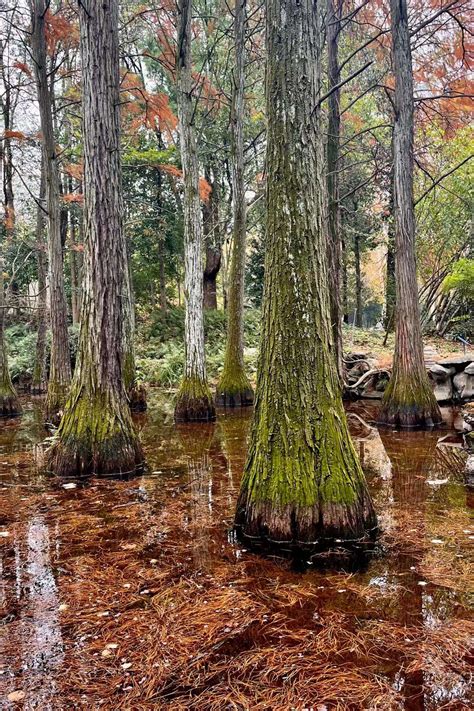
[
  {"x": 194, "y": 398},
  {"x": 409, "y": 399},
  {"x": 358, "y": 280},
  {"x": 334, "y": 13},
  {"x": 96, "y": 434},
  {"x": 39, "y": 382},
  {"x": 302, "y": 483},
  {"x": 60, "y": 367},
  {"x": 9, "y": 404},
  {"x": 234, "y": 388}
]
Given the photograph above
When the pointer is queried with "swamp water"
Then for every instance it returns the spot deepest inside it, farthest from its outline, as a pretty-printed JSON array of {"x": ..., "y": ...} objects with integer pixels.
[{"x": 134, "y": 595}]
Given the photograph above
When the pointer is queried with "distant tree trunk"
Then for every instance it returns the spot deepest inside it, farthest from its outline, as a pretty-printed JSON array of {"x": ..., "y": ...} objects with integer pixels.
[
  {"x": 9, "y": 404},
  {"x": 162, "y": 243},
  {"x": 96, "y": 434},
  {"x": 390, "y": 296},
  {"x": 60, "y": 368},
  {"x": 345, "y": 301},
  {"x": 333, "y": 19},
  {"x": 40, "y": 381},
  {"x": 234, "y": 388},
  {"x": 409, "y": 399},
  {"x": 302, "y": 485},
  {"x": 135, "y": 390},
  {"x": 6, "y": 148},
  {"x": 212, "y": 243},
  {"x": 194, "y": 400},
  {"x": 358, "y": 278}
]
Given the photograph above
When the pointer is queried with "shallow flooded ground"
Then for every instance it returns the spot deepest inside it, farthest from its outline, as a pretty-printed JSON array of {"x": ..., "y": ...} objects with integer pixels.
[{"x": 135, "y": 595}]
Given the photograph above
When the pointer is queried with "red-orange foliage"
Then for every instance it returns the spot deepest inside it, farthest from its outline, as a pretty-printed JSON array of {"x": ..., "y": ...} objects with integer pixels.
[
  {"x": 23, "y": 68},
  {"x": 75, "y": 170},
  {"x": 73, "y": 198},
  {"x": 60, "y": 29},
  {"x": 14, "y": 134},
  {"x": 204, "y": 188}
]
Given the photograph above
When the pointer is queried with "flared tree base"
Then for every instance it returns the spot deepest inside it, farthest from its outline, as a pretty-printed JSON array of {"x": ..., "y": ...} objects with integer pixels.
[
  {"x": 9, "y": 405},
  {"x": 194, "y": 402},
  {"x": 407, "y": 404},
  {"x": 242, "y": 398},
  {"x": 96, "y": 437},
  {"x": 307, "y": 529},
  {"x": 55, "y": 402},
  {"x": 234, "y": 389},
  {"x": 137, "y": 398}
]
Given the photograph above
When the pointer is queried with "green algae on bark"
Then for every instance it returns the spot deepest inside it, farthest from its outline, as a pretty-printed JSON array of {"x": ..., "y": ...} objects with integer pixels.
[
  {"x": 234, "y": 388},
  {"x": 96, "y": 434},
  {"x": 194, "y": 402},
  {"x": 409, "y": 400},
  {"x": 194, "y": 398},
  {"x": 303, "y": 484}
]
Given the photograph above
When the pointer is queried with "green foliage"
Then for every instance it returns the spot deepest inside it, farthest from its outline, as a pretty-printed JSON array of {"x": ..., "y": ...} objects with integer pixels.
[
  {"x": 461, "y": 278},
  {"x": 21, "y": 343},
  {"x": 160, "y": 346}
]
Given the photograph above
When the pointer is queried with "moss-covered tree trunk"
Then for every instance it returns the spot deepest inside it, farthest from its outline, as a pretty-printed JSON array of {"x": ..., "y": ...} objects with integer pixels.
[
  {"x": 409, "y": 400},
  {"x": 39, "y": 382},
  {"x": 234, "y": 388},
  {"x": 9, "y": 404},
  {"x": 60, "y": 368},
  {"x": 194, "y": 401},
  {"x": 333, "y": 19},
  {"x": 96, "y": 434},
  {"x": 303, "y": 484}
]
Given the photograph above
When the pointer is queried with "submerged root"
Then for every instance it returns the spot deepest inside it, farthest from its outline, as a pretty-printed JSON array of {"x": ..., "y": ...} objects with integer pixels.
[
  {"x": 234, "y": 390},
  {"x": 409, "y": 404},
  {"x": 137, "y": 398},
  {"x": 306, "y": 528},
  {"x": 194, "y": 402},
  {"x": 9, "y": 405},
  {"x": 96, "y": 437}
]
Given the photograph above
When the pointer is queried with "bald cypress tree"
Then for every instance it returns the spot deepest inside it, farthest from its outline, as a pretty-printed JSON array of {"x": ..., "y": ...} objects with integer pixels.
[
  {"x": 302, "y": 483},
  {"x": 195, "y": 400},
  {"x": 409, "y": 399},
  {"x": 96, "y": 433},
  {"x": 234, "y": 388}
]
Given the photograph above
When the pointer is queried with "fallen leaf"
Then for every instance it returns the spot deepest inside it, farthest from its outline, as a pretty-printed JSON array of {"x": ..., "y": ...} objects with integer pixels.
[{"x": 16, "y": 696}]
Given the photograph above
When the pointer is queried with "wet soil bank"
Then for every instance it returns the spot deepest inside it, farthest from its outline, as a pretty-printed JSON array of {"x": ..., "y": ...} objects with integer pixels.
[{"x": 135, "y": 595}]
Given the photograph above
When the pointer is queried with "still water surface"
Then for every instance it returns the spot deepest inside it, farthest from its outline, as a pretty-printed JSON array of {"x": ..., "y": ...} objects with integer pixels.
[{"x": 135, "y": 595}]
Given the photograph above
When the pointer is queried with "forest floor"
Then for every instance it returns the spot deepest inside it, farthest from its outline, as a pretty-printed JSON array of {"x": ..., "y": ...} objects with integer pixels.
[{"x": 135, "y": 594}]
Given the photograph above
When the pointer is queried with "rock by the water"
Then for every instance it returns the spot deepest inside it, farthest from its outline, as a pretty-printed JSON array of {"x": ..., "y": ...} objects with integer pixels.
[
  {"x": 469, "y": 369},
  {"x": 464, "y": 385}
]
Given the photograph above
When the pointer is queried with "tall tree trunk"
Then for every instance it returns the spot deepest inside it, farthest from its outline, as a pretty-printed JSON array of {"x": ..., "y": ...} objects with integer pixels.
[
  {"x": 234, "y": 388},
  {"x": 96, "y": 434},
  {"x": 194, "y": 398},
  {"x": 9, "y": 404},
  {"x": 333, "y": 19},
  {"x": 40, "y": 381},
  {"x": 303, "y": 485},
  {"x": 60, "y": 368},
  {"x": 358, "y": 279},
  {"x": 409, "y": 399},
  {"x": 212, "y": 243}
]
